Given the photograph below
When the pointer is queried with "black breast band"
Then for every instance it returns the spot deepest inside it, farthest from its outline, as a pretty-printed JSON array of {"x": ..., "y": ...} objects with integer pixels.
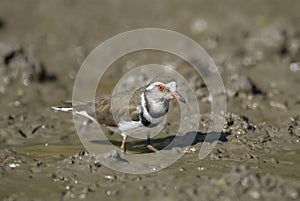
[{"x": 145, "y": 122}]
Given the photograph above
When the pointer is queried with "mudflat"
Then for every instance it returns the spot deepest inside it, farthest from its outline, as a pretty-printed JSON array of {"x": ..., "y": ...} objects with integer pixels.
[{"x": 256, "y": 46}]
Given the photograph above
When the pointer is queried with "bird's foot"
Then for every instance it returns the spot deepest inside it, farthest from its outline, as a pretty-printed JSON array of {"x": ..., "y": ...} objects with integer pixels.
[
  {"x": 123, "y": 149},
  {"x": 150, "y": 147}
]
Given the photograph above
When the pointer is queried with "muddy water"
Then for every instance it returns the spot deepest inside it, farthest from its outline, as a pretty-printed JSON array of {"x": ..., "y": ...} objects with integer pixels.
[{"x": 256, "y": 47}]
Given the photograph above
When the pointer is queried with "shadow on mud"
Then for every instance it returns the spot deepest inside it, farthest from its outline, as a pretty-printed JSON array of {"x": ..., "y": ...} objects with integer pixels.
[{"x": 190, "y": 138}]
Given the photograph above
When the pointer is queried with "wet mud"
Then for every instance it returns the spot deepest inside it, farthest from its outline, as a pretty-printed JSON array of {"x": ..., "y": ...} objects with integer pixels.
[{"x": 255, "y": 47}]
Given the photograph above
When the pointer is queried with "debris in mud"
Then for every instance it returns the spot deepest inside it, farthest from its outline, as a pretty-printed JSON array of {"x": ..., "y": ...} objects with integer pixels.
[
  {"x": 260, "y": 67},
  {"x": 246, "y": 184},
  {"x": 37, "y": 128},
  {"x": 16, "y": 65},
  {"x": 294, "y": 127},
  {"x": 22, "y": 133},
  {"x": 8, "y": 158},
  {"x": 237, "y": 124},
  {"x": 19, "y": 128},
  {"x": 14, "y": 165},
  {"x": 114, "y": 155},
  {"x": 278, "y": 105}
]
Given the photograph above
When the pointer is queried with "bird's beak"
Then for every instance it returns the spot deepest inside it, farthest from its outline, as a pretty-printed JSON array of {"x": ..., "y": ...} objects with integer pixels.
[{"x": 178, "y": 97}]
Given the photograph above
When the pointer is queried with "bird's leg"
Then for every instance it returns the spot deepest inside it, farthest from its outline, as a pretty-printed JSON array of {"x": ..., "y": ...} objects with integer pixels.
[
  {"x": 123, "y": 148},
  {"x": 149, "y": 145}
]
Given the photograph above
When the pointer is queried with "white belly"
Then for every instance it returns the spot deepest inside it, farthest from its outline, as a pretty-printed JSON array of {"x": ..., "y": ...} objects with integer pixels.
[{"x": 137, "y": 129}]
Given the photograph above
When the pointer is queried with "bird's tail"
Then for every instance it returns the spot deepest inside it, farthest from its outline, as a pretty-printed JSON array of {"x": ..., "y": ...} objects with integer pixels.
[
  {"x": 65, "y": 106},
  {"x": 84, "y": 109}
]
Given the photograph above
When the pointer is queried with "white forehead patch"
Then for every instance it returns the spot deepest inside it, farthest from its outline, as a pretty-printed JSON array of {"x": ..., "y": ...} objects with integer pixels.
[{"x": 172, "y": 86}]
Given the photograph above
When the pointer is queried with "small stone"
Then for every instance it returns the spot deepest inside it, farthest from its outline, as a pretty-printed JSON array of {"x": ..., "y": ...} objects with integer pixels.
[
  {"x": 293, "y": 194},
  {"x": 295, "y": 66},
  {"x": 248, "y": 61},
  {"x": 97, "y": 163},
  {"x": 17, "y": 103},
  {"x": 13, "y": 165},
  {"x": 254, "y": 194},
  {"x": 114, "y": 154},
  {"x": 82, "y": 196},
  {"x": 245, "y": 181},
  {"x": 275, "y": 161},
  {"x": 278, "y": 105},
  {"x": 82, "y": 153},
  {"x": 199, "y": 26},
  {"x": 108, "y": 193},
  {"x": 109, "y": 177}
]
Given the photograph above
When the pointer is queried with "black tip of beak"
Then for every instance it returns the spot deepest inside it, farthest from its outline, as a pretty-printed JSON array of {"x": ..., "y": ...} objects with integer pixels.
[{"x": 181, "y": 99}]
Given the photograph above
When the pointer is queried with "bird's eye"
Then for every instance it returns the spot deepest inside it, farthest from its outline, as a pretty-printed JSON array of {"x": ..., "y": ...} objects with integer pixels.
[{"x": 161, "y": 88}]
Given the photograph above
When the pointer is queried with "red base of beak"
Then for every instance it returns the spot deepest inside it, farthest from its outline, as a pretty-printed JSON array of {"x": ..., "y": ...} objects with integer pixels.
[{"x": 178, "y": 97}]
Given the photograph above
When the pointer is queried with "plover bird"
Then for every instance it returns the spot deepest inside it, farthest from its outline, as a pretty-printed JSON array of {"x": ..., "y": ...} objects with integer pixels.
[{"x": 145, "y": 109}]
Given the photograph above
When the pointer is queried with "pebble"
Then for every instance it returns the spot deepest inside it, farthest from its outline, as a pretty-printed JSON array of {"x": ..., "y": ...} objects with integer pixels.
[
  {"x": 278, "y": 105},
  {"x": 189, "y": 149},
  {"x": 82, "y": 196},
  {"x": 109, "y": 177},
  {"x": 13, "y": 165},
  {"x": 295, "y": 66},
  {"x": 293, "y": 194},
  {"x": 254, "y": 194},
  {"x": 181, "y": 169},
  {"x": 108, "y": 193},
  {"x": 199, "y": 26},
  {"x": 245, "y": 181}
]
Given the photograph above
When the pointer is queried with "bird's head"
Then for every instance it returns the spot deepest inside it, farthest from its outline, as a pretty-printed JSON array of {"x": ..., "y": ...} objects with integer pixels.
[{"x": 163, "y": 90}]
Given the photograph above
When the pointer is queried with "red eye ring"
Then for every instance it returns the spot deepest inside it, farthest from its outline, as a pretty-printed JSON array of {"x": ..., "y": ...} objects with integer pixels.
[{"x": 161, "y": 88}]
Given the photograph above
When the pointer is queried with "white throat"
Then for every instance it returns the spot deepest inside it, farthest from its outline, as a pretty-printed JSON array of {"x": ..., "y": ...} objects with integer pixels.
[{"x": 146, "y": 114}]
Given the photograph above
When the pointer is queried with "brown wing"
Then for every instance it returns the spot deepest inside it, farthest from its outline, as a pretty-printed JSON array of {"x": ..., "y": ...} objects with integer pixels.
[
  {"x": 103, "y": 112},
  {"x": 108, "y": 115}
]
